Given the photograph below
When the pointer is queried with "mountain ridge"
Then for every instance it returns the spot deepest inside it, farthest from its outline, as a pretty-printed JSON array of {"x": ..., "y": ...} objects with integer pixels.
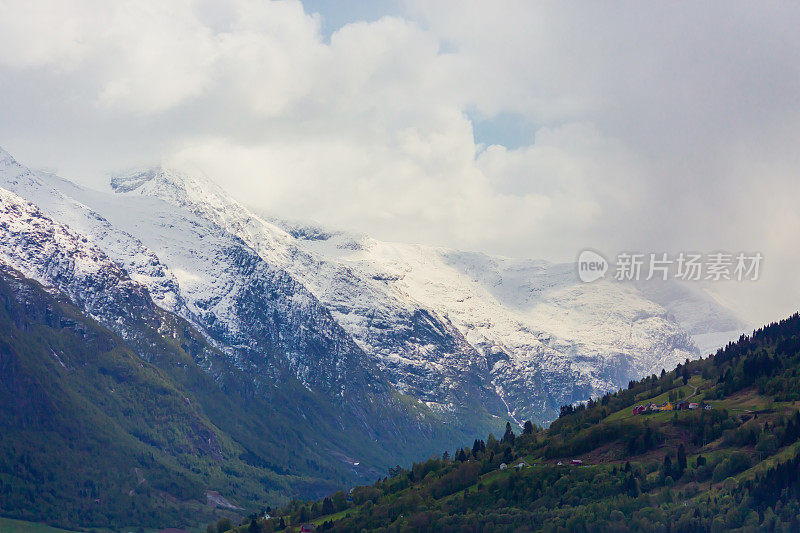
[
  {"x": 466, "y": 334},
  {"x": 315, "y": 358},
  {"x": 369, "y": 412},
  {"x": 329, "y": 274},
  {"x": 711, "y": 445}
]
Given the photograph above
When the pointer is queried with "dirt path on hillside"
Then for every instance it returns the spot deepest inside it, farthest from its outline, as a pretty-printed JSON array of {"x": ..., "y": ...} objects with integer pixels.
[
  {"x": 692, "y": 394},
  {"x": 139, "y": 480}
]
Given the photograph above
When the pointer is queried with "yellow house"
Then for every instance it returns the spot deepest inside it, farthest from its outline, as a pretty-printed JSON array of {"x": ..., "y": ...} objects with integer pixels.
[{"x": 667, "y": 407}]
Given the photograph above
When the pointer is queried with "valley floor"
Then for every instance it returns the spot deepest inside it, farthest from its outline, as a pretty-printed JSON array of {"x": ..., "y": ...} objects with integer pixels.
[{"x": 8, "y": 525}]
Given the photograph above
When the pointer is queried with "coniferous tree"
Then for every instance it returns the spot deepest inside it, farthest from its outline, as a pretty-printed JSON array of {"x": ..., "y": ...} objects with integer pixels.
[
  {"x": 531, "y": 497},
  {"x": 681, "y": 459},
  {"x": 476, "y": 448},
  {"x": 666, "y": 468},
  {"x": 508, "y": 436},
  {"x": 492, "y": 443}
]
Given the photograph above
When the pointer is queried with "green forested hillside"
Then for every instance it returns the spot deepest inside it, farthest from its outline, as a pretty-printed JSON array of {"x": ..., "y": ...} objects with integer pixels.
[
  {"x": 95, "y": 436},
  {"x": 733, "y": 466}
]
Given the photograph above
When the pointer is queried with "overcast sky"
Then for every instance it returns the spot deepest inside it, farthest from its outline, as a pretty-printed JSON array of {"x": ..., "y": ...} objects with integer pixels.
[{"x": 521, "y": 128}]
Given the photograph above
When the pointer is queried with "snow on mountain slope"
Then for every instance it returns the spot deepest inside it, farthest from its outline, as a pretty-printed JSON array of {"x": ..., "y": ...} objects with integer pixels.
[
  {"x": 286, "y": 345},
  {"x": 524, "y": 330},
  {"x": 539, "y": 329},
  {"x": 463, "y": 332},
  {"x": 54, "y": 256},
  {"x": 710, "y": 324},
  {"x": 594, "y": 324},
  {"x": 52, "y": 194},
  {"x": 70, "y": 265},
  {"x": 423, "y": 355},
  {"x": 263, "y": 318}
]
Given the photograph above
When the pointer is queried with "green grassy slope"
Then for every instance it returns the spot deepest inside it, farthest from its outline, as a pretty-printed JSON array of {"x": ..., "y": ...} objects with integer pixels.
[
  {"x": 95, "y": 436},
  {"x": 8, "y": 525},
  {"x": 733, "y": 467}
]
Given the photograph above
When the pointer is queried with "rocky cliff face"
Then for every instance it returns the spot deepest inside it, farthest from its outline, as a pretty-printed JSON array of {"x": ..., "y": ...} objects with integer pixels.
[
  {"x": 273, "y": 339},
  {"x": 522, "y": 336},
  {"x": 48, "y": 252},
  {"x": 467, "y": 338}
]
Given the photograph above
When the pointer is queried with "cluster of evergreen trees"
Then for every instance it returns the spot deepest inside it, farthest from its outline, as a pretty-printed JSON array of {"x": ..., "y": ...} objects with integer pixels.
[{"x": 718, "y": 470}]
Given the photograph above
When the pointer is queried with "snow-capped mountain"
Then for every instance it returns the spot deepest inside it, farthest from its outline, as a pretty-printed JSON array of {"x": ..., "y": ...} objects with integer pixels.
[
  {"x": 208, "y": 276},
  {"x": 545, "y": 338},
  {"x": 470, "y": 335},
  {"x": 282, "y": 341},
  {"x": 526, "y": 330},
  {"x": 48, "y": 252}
]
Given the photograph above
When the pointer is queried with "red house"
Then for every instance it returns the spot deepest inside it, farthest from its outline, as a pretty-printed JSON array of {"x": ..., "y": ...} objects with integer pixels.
[{"x": 576, "y": 462}]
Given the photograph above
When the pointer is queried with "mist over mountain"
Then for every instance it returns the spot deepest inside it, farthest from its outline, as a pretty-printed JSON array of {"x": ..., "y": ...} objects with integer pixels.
[
  {"x": 352, "y": 354},
  {"x": 452, "y": 329},
  {"x": 258, "y": 255}
]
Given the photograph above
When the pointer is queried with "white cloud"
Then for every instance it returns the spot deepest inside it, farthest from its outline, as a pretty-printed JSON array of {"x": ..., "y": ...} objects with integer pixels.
[
  {"x": 658, "y": 127},
  {"x": 41, "y": 33}
]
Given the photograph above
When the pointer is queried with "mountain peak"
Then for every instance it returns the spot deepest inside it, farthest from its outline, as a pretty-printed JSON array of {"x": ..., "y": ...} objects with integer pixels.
[
  {"x": 133, "y": 180},
  {"x": 170, "y": 185},
  {"x": 151, "y": 179},
  {"x": 5, "y": 157}
]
